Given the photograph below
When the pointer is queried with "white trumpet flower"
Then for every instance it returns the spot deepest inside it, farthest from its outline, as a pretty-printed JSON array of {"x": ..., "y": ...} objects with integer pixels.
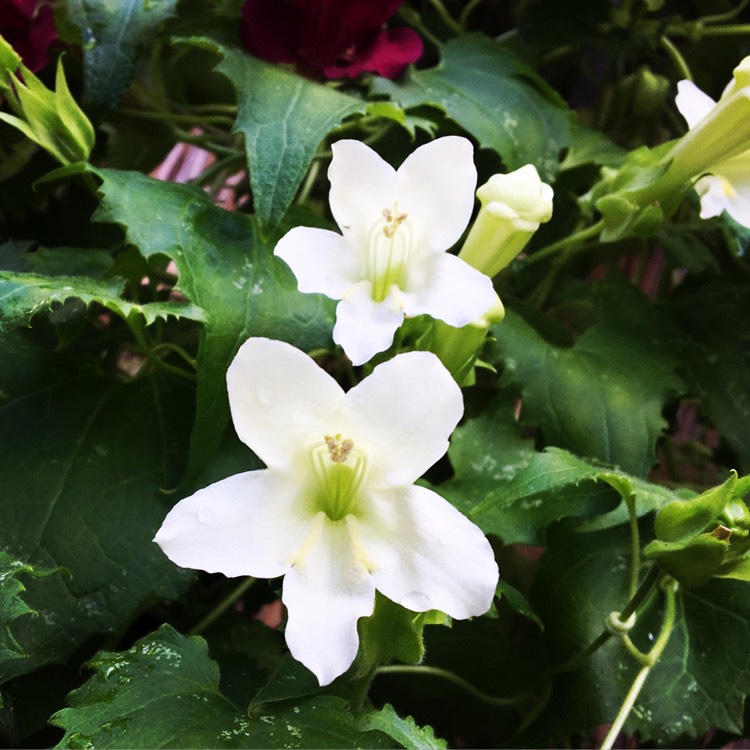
[{"x": 336, "y": 511}]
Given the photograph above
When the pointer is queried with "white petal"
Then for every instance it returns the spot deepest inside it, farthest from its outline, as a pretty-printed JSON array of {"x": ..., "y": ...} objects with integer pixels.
[
  {"x": 362, "y": 185},
  {"x": 737, "y": 172},
  {"x": 365, "y": 327},
  {"x": 326, "y": 592},
  {"x": 403, "y": 414},
  {"x": 436, "y": 186},
  {"x": 713, "y": 197},
  {"x": 693, "y": 104},
  {"x": 322, "y": 261},
  {"x": 278, "y": 397},
  {"x": 246, "y": 525},
  {"x": 448, "y": 288},
  {"x": 427, "y": 555}
]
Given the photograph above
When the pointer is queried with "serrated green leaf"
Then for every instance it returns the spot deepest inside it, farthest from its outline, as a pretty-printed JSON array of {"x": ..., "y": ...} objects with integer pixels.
[
  {"x": 486, "y": 451},
  {"x": 12, "y": 605},
  {"x": 603, "y": 396},
  {"x": 22, "y": 295},
  {"x": 493, "y": 96},
  {"x": 284, "y": 117},
  {"x": 116, "y": 38},
  {"x": 227, "y": 270},
  {"x": 164, "y": 692},
  {"x": 699, "y": 683},
  {"x": 85, "y": 457},
  {"x": 556, "y": 484},
  {"x": 403, "y": 730}
]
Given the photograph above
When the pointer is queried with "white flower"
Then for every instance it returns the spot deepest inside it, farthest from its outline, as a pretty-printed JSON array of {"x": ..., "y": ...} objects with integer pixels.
[
  {"x": 336, "y": 511},
  {"x": 718, "y": 144},
  {"x": 513, "y": 207},
  {"x": 390, "y": 259}
]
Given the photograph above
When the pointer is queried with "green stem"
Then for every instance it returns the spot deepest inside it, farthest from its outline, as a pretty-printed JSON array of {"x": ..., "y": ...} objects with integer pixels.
[
  {"x": 676, "y": 57},
  {"x": 573, "y": 239},
  {"x": 670, "y": 610},
  {"x": 635, "y": 545},
  {"x": 175, "y": 117},
  {"x": 222, "y": 606},
  {"x": 466, "y": 12},
  {"x": 446, "y": 17},
  {"x": 643, "y": 590},
  {"x": 456, "y": 680},
  {"x": 312, "y": 175},
  {"x": 136, "y": 328},
  {"x": 730, "y": 30},
  {"x": 178, "y": 350},
  {"x": 361, "y": 686},
  {"x": 720, "y": 17}
]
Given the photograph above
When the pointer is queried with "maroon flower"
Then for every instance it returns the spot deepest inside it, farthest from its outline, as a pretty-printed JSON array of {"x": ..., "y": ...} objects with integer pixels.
[
  {"x": 335, "y": 38},
  {"x": 29, "y": 27}
]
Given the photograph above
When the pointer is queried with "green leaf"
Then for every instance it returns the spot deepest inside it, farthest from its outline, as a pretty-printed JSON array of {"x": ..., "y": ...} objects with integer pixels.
[
  {"x": 227, "y": 270},
  {"x": 603, "y": 396},
  {"x": 164, "y": 692},
  {"x": 284, "y": 117},
  {"x": 12, "y": 606},
  {"x": 22, "y": 295},
  {"x": 404, "y": 730},
  {"x": 86, "y": 457},
  {"x": 116, "y": 38},
  {"x": 715, "y": 318},
  {"x": 556, "y": 484},
  {"x": 493, "y": 96},
  {"x": 486, "y": 451},
  {"x": 699, "y": 683}
]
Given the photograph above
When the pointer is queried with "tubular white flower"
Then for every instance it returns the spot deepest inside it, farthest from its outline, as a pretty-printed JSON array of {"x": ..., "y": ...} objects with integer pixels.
[
  {"x": 390, "y": 259},
  {"x": 335, "y": 512},
  {"x": 716, "y": 150}
]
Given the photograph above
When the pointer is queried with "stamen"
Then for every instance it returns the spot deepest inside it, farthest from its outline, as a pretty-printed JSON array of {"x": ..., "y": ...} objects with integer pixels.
[
  {"x": 388, "y": 251},
  {"x": 338, "y": 471}
]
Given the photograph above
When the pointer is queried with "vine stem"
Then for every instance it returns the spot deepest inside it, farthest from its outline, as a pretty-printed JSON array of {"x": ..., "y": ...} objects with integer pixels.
[
  {"x": 222, "y": 606},
  {"x": 676, "y": 57},
  {"x": 455, "y": 679},
  {"x": 446, "y": 17},
  {"x": 650, "y": 659},
  {"x": 573, "y": 239},
  {"x": 643, "y": 590}
]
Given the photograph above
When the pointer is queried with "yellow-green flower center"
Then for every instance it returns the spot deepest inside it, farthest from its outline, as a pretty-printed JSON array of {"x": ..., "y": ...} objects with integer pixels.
[
  {"x": 338, "y": 470},
  {"x": 388, "y": 251}
]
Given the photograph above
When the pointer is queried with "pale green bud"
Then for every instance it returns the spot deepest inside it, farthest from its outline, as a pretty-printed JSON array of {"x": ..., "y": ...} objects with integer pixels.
[
  {"x": 51, "y": 119},
  {"x": 458, "y": 348},
  {"x": 513, "y": 207},
  {"x": 722, "y": 133}
]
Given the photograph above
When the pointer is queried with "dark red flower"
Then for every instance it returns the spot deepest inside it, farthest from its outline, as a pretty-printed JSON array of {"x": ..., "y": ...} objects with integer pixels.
[
  {"x": 335, "y": 38},
  {"x": 29, "y": 27}
]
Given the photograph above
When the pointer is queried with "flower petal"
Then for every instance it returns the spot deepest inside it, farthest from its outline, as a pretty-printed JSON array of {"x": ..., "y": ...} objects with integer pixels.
[
  {"x": 736, "y": 172},
  {"x": 436, "y": 186},
  {"x": 693, "y": 104},
  {"x": 448, "y": 288},
  {"x": 268, "y": 32},
  {"x": 388, "y": 54},
  {"x": 248, "y": 524},
  {"x": 714, "y": 199},
  {"x": 326, "y": 592},
  {"x": 403, "y": 414},
  {"x": 362, "y": 185},
  {"x": 278, "y": 396},
  {"x": 365, "y": 327},
  {"x": 427, "y": 555},
  {"x": 322, "y": 261}
]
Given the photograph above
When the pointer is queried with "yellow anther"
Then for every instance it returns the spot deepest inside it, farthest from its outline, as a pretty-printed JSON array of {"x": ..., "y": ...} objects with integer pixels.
[{"x": 338, "y": 449}]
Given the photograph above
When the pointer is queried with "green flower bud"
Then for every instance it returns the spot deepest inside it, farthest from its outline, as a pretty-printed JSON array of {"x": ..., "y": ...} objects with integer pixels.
[
  {"x": 513, "y": 207},
  {"x": 52, "y": 119},
  {"x": 705, "y": 537}
]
